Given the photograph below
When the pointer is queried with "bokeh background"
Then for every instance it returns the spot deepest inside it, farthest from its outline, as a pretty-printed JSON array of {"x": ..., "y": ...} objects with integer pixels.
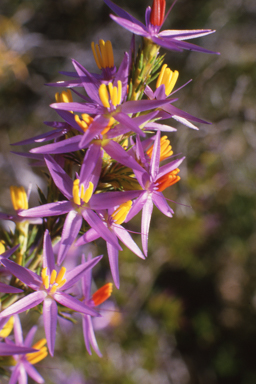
[{"x": 187, "y": 315}]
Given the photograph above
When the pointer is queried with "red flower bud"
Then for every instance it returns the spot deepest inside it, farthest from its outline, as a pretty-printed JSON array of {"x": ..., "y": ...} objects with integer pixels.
[{"x": 157, "y": 12}]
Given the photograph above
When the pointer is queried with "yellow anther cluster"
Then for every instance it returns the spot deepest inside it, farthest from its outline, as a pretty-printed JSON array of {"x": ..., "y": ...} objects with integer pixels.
[
  {"x": 35, "y": 357},
  {"x": 110, "y": 93},
  {"x": 19, "y": 198},
  {"x": 80, "y": 194},
  {"x": 64, "y": 97},
  {"x": 7, "y": 328},
  {"x": 120, "y": 214},
  {"x": 102, "y": 294},
  {"x": 103, "y": 54},
  {"x": 165, "y": 149},
  {"x": 2, "y": 247},
  {"x": 84, "y": 122},
  {"x": 168, "y": 78},
  {"x": 55, "y": 281}
]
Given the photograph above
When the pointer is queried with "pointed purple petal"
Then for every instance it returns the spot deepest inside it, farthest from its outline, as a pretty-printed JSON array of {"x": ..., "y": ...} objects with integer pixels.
[
  {"x": 155, "y": 159},
  {"x": 73, "y": 276},
  {"x": 24, "y": 304},
  {"x": 60, "y": 177},
  {"x": 96, "y": 223},
  {"x": 126, "y": 238},
  {"x": 145, "y": 223},
  {"x": 17, "y": 331},
  {"x": 71, "y": 228},
  {"x": 23, "y": 274},
  {"x": 48, "y": 256},
  {"x": 72, "y": 303},
  {"x": 137, "y": 206},
  {"x": 113, "y": 262},
  {"x": 169, "y": 167},
  {"x": 51, "y": 209},
  {"x": 9, "y": 350},
  {"x": 8, "y": 253},
  {"x": 41, "y": 138},
  {"x": 89, "y": 163},
  {"x": 78, "y": 107},
  {"x": 112, "y": 199},
  {"x": 185, "y": 34},
  {"x": 120, "y": 12},
  {"x": 132, "y": 27},
  {"x": 32, "y": 372},
  {"x": 143, "y": 105},
  {"x": 88, "y": 237},
  {"x": 92, "y": 337},
  {"x": 162, "y": 204},
  {"x": 117, "y": 152},
  {"x": 50, "y": 312},
  {"x": 64, "y": 146},
  {"x": 86, "y": 325},
  {"x": 4, "y": 288},
  {"x": 90, "y": 84}
]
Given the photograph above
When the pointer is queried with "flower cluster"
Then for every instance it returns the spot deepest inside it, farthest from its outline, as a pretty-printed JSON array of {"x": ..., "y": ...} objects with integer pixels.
[{"x": 106, "y": 161}]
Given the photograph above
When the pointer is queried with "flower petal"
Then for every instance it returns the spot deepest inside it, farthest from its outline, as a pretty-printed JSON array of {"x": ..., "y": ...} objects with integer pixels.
[
  {"x": 24, "y": 304},
  {"x": 50, "y": 312},
  {"x": 113, "y": 262},
  {"x": 72, "y": 303}
]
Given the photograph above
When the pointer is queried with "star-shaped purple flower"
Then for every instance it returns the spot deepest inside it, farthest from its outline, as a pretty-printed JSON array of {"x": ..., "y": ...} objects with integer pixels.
[
  {"x": 49, "y": 288},
  {"x": 155, "y": 17}
]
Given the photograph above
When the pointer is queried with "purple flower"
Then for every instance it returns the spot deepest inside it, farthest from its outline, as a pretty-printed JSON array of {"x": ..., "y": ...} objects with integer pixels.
[
  {"x": 24, "y": 364},
  {"x": 113, "y": 218},
  {"x": 49, "y": 288},
  {"x": 169, "y": 39},
  {"x": 107, "y": 104},
  {"x": 81, "y": 200},
  {"x": 153, "y": 181}
]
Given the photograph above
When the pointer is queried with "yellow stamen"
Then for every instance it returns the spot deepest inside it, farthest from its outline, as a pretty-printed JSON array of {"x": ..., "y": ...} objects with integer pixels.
[
  {"x": 110, "y": 54},
  {"x": 7, "y": 328},
  {"x": 60, "y": 276},
  {"x": 53, "y": 276},
  {"x": 64, "y": 97},
  {"x": 95, "y": 55},
  {"x": 88, "y": 193},
  {"x": 114, "y": 97},
  {"x": 76, "y": 194},
  {"x": 168, "y": 180},
  {"x": 45, "y": 278},
  {"x": 103, "y": 54},
  {"x": 35, "y": 357},
  {"x": 119, "y": 91},
  {"x": 165, "y": 149},
  {"x": 110, "y": 90},
  {"x": 2, "y": 247},
  {"x": 103, "y": 94},
  {"x": 167, "y": 78},
  {"x": 102, "y": 294},
  {"x": 107, "y": 128},
  {"x": 120, "y": 214},
  {"x": 19, "y": 198}
]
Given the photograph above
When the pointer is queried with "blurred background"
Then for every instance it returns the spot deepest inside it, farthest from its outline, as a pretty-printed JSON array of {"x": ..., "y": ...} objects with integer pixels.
[{"x": 187, "y": 315}]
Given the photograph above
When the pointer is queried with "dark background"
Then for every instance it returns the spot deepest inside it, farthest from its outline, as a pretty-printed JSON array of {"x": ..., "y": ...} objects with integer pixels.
[{"x": 187, "y": 315}]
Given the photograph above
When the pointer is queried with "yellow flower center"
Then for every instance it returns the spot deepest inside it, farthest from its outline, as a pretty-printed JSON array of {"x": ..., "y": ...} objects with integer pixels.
[
  {"x": 168, "y": 180},
  {"x": 102, "y": 294},
  {"x": 84, "y": 122},
  {"x": 120, "y": 214},
  {"x": 165, "y": 149},
  {"x": 80, "y": 194},
  {"x": 19, "y": 198},
  {"x": 7, "y": 328},
  {"x": 54, "y": 281},
  {"x": 103, "y": 54},
  {"x": 110, "y": 93},
  {"x": 168, "y": 78},
  {"x": 35, "y": 357}
]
